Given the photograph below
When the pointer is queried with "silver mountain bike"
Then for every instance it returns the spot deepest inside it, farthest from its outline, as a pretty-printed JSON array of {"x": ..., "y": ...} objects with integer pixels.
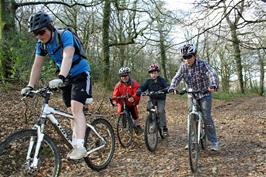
[{"x": 197, "y": 138}]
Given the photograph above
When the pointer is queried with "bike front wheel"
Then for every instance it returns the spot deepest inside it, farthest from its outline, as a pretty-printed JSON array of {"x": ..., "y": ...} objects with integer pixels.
[
  {"x": 124, "y": 130},
  {"x": 193, "y": 143},
  {"x": 104, "y": 148},
  {"x": 151, "y": 133},
  {"x": 203, "y": 138},
  {"x": 17, "y": 152}
]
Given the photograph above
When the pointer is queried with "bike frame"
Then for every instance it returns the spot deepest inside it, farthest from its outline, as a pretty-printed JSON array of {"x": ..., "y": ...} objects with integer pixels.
[
  {"x": 154, "y": 114},
  {"x": 198, "y": 113},
  {"x": 154, "y": 110},
  {"x": 49, "y": 112},
  {"x": 124, "y": 108}
]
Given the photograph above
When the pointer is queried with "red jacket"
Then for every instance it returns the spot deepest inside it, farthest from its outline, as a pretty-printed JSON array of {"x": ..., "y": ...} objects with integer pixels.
[{"x": 122, "y": 89}]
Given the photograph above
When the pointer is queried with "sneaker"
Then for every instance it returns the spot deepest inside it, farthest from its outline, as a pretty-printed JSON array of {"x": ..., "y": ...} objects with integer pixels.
[
  {"x": 77, "y": 153},
  {"x": 186, "y": 147},
  {"x": 215, "y": 146},
  {"x": 138, "y": 130}
]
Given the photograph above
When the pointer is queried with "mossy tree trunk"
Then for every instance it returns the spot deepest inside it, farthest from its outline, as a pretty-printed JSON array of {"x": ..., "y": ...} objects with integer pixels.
[
  {"x": 105, "y": 40},
  {"x": 236, "y": 43},
  {"x": 7, "y": 29}
]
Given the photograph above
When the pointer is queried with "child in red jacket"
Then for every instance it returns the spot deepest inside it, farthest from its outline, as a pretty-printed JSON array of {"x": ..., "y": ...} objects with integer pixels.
[{"x": 128, "y": 86}]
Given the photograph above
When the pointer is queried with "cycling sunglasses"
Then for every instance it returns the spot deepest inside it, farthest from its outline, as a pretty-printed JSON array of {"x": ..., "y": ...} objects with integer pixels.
[
  {"x": 40, "y": 32},
  {"x": 124, "y": 75},
  {"x": 186, "y": 57}
]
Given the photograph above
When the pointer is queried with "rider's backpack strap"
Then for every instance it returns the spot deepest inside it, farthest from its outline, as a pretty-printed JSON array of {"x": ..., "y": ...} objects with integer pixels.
[{"x": 79, "y": 49}]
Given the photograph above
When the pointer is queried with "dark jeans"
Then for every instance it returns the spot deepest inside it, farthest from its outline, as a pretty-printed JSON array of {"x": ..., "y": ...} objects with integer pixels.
[
  {"x": 160, "y": 103},
  {"x": 206, "y": 105}
]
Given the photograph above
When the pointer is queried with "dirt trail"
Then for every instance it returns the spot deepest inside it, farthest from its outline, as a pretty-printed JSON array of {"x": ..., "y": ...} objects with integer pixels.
[{"x": 241, "y": 129}]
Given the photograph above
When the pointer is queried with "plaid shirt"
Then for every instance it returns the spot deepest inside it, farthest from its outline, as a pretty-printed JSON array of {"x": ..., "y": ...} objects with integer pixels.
[{"x": 199, "y": 76}]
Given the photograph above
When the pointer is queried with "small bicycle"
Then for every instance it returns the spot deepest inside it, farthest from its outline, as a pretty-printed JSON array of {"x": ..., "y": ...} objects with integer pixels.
[
  {"x": 125, "y": 123},
  {"x": 31, "y": 152},
  {"x": 152, "y": 123},
  {"x": 196, "y": 131}
]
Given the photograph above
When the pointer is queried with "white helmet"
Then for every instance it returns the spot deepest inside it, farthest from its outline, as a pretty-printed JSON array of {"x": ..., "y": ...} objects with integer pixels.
[
  {"x": 188, "y": 49},
  {"x": 124, "y": 71}
]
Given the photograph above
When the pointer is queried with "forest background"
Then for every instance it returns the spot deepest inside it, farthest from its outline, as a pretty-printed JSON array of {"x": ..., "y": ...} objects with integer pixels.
[{"x": 229, "y": 34}]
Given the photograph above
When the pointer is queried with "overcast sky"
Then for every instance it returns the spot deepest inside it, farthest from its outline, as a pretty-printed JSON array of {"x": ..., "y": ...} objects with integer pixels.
[{"x": 179, "y": 4}]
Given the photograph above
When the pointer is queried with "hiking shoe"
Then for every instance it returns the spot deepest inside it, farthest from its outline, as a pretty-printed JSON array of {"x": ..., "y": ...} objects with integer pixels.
[
  {"x": 215, "y": 146},
  {"x": 77, "y": 153},
  {"x": 138, "y": 130},
  {"x": 165, "y": 132}
]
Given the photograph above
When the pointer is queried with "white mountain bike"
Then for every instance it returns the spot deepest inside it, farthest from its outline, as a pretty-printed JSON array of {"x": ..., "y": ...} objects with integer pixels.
[
  {"x": 197, "y": 138},
  {"x": 31, "y": 152}
]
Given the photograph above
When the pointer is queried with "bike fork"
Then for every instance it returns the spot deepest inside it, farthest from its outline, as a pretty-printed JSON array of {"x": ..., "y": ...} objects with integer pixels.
[
  {"x": 40, "y": 137},
  {"x": 192, "y": 120},
  {"x": 199, "y": 130}
]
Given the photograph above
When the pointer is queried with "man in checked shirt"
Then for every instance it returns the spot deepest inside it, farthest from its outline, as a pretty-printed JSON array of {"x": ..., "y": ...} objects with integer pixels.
[{"x": 199, "y": 75}]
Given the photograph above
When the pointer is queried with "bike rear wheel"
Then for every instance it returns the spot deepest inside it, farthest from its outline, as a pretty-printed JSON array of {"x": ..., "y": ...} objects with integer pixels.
[
  {"x": 193, "y": 144},
  {"x": 100, "y": 158},
  {"x": 151, "y": 133},
  {"x": 14, "y": 151},
  {"x": 124, "y": 130}
]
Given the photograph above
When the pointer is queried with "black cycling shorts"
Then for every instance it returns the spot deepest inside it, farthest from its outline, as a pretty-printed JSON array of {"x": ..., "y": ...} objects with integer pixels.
[{"x": 78, "y": 89}]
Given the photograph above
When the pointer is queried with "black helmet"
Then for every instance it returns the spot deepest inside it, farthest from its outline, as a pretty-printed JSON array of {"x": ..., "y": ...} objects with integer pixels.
[
  {"x": 188, "y": 49},
  {"x": 38, "y": 21},
  {"x": 124, "y": 71},
  {"x": 154, "y": 67}
]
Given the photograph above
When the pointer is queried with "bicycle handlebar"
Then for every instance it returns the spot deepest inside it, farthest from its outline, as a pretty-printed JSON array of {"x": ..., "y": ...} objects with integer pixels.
[
  {"x": 41, "y": 92},
  {"x": 152, "y": 93},
  {"x": 117, "y": 97},
  {"x": 190, "y": 91}
]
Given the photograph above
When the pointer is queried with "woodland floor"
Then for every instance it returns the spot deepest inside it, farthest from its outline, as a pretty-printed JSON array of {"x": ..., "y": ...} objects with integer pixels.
[{"x": 240, "y": 124}]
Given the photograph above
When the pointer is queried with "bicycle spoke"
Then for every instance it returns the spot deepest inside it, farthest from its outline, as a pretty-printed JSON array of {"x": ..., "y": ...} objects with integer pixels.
[
  {"x": 193, "y": 145},
  {"x": 99, "y": 159},
  {"x": 151, "y": 134},
  {"x": 14, "y": 162},
  {"x": 124, "y": 131}
]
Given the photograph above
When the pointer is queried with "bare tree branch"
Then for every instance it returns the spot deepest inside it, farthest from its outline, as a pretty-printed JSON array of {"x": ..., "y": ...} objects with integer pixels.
[{"x": 59, "y": 2}]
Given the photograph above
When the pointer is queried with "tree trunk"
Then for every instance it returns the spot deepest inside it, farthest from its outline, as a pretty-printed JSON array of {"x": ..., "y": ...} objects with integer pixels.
[
  {"x": 105, "y": 39},
  {"x": 7, "y": 28},
  {"x": 163, "y": 55},
  {"x": 236, "y": 42},
  {"x": 262, "y": 72},
  {"x": 237, "y": 57}
]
